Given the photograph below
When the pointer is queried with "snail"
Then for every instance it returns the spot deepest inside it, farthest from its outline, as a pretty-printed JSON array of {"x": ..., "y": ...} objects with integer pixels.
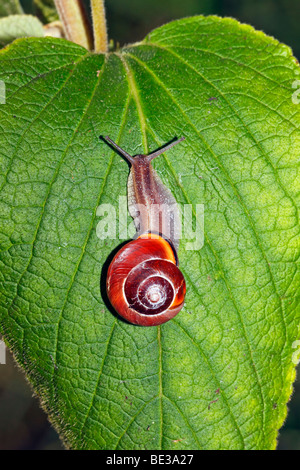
[{"x": 144, "y": 283}]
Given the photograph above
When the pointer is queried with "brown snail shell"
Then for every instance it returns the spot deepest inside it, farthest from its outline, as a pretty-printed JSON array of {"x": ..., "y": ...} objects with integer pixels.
[{"x": 144, "y": 284}]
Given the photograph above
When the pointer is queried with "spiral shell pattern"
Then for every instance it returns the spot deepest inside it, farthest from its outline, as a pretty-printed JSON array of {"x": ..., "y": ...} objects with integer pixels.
[{"x": 144, "y": 284}]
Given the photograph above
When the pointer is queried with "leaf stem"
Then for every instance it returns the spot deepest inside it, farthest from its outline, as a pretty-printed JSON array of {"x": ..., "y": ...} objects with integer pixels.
[
  {"x": 99, "y": 26},
  {"x": 75, "y": 23}
]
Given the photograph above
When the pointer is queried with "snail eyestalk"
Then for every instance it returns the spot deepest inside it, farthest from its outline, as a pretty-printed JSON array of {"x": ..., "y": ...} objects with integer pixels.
[
  {"x": 164, "y": 149},
  {"x": 125, "y": 154},
  {"x": 149, "y": 157}
]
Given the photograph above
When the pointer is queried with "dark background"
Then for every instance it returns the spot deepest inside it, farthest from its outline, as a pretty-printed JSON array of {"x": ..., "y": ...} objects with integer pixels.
[
  {"x": 132, "y": 20},
  {"x": 23, "y": 425}
]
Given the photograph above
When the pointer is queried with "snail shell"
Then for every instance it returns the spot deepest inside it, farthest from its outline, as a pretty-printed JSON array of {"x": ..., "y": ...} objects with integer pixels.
[{"x": 144, "y": 284}]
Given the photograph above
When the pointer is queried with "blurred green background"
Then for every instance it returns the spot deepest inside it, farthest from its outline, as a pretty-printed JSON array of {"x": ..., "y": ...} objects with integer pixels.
[{"x": 23, "y": 425}]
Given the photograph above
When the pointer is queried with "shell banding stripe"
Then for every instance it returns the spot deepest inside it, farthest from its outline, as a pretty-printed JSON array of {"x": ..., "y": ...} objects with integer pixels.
[
  {"x": 155, "y": 292},
  {"x": 150, "y": 258}
]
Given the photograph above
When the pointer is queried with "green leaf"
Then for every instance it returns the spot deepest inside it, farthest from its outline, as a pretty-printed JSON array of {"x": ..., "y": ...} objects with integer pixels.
[
  {"x": 219, "y": 375},
  {"x": 19, "y": 26},
  {"x": 10, "y": 7}
]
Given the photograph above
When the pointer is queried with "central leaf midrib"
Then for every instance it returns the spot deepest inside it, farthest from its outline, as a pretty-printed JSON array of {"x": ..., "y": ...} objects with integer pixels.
[{"x": 134, "y": 92}]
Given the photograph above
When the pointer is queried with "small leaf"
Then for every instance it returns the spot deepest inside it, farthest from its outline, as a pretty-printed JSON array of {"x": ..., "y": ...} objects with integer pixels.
[
  {"x": 219, "y": 375},
  {"x": 19, "y": 26}
]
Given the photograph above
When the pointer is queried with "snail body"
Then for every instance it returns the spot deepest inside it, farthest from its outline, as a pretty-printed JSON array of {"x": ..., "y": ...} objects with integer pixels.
[{"x": 144, "y": 283}]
